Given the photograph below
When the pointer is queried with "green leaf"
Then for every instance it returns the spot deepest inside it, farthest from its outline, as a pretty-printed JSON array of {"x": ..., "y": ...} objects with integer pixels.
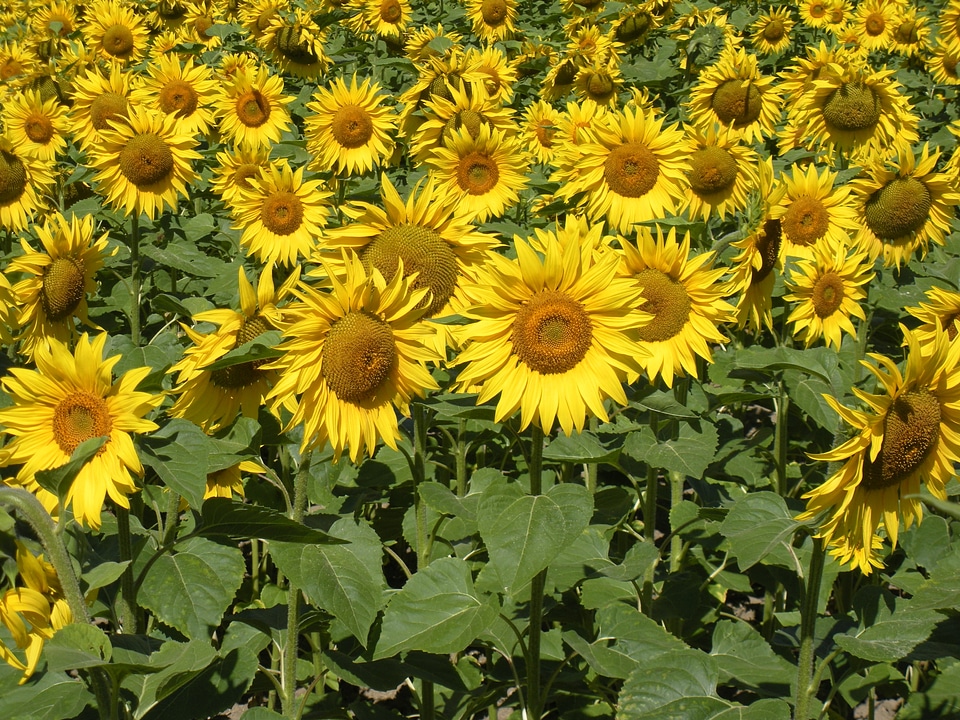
[
  {"x": 940, "y": 700},
  {"x": 58, "y": 480},
  {"x": 663, "y": 403},
  {"x": 262, "y": 347},
  {"x": 579, "y": 448},
  {"x": 178, "y": 452},
  {"x": 689, "y": 454},
  {"x": 175, "y": 664},
  {"x": 224, "y": 516},
  {"x": 687, "y": 675},
  {"x": 437, "y": 611},
  {"x": 77, "y": 646},
  {"x": 54, "y": 697},
  {"x": 744, "y": 655},
  {"x": 344, "y": 580},
  {"x": 191, "y": 587},
  {"x": 756, "y": 526},
  {"x": 782, "y": 358},
  {"x": 523, "y": 533},
  {"x": 186, "y": 257},
  {"x": 892, "y": 639},
  {"x": 104, "y": 574},
  {"x": 261, "y": 713}
]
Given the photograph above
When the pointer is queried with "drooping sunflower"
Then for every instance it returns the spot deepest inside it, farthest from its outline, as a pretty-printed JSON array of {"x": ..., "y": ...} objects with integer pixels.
[
  {"x": 24, "y": 180},
  {"x": 684, "y": 294},
  {"x": 68, "y": 399},
  {"x": 828, "y": 288},
  {"x": 228, "y": 482},
  {"x": 496, "y": 74},
  {"x": 949, "y": 23},
  {"x": 353, "y": 357},
  {"x": 34, "y": 126},
  {"x": 234, "y": 170},
  {"x": 54, "y": 293},
  {"x": 539, "y": 130},
  {"x": 634, "y": 24},
  {"x": 256, "y": 16},
  {"x": 770, "y": 34},
  {"x": 630, "y": 170},
  {"x": 493, "y": 20},
  {"x": 813, "y": 211},
  {"x": 904, "y": 205},
  {"x": 185, "y": 91},
  {"x": 167, "y": 16},
  {"x": 426, "y": 235},
  {"x": 704, "y": 37},
  {"x": 558, "y": 81},
  {"x": 735, "y": 95},
  {"x": 553, "y": 336},
  {"x": 213, "y": 398},
  {"x": 98, "y": 99},
  {"x": 436, "y": 77},
  {"x": 910, "y": 433},
  {"x": 281, "y": 215},
  {"x": 296, "y": 44},
  {"x": 419, "y": 44},
  {"x": 116, "y": 32},
  {"x": 16, "y": 64},
  {"x": 253, "y": 108},
  {"x": 350, "y": 129},
  {"x": 941, "y": 312},
  {"x": 483, "y": 175},
  {"x": 942, "y": 65},
  {"x": 143, "y": 164},
  {"x": 600, "y": 82},
  {"x": 911, "y": 34},
  {"x": 32, "y": 611},
  {"x": 201, "y": 16},
  {"x": 720, "y": 172},
  {"x": 875, "y": 21}
]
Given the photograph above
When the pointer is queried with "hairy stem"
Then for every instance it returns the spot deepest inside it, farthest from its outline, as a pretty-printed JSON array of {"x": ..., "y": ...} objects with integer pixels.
[
  {"x": 534, "y": 699},
  {"x": 135, "y": 280},
  {"x": 427, "y": 700},
  {"x": 808, "y": 622},
  {"x": 288, "y": 660},
  {"x": 128, "y": 599}
]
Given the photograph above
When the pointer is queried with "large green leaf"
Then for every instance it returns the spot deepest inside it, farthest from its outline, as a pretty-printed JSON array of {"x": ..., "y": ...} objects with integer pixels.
[
  {"x": 891, "y": 639},
  {"x": 690, "y": 454},
  {"x": 191, "y": 587},
  {"x": 54, "y": 697},
  {"x": 756, "y": 526},
  {"x": 687, "y": 675},
  {"x": 743, "y": 654},
  {"x": 344, "y": 580},
  {"x": 437, "y": 611},
  {"x": 224, "y": 516},
  {"x": 178, "y": 452},
  {"x": 523, "y": 533},
  {"x": 582, "y": 447},
  {"x": 939, "y": 701},
  {"x": 175, "y": 664},
  {"x": 77, "y": 646}
]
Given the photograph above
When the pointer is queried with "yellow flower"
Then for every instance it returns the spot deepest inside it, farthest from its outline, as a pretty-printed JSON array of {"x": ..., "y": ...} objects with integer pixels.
[
  {"x": 493, "y": 20},
  {"x": 184, "y": 91},
  {"x": 941, "y": 313},
  {"x": 539, "y": 130},
  {"x": 875, "y": 21},
  {"x": 720, "y": 172},
  {"x": 771, "y": 32},
  {"x": 201, "y": 16},
  {"x": 253, "y": 108},
  {"x": 97, "y": 100},
  {"x": 68, "y": 399},
  {"x": 23, "y": 182},
  {"x": 115, "y": 31},
  {"x": 35, "y": 126},
  {"x": 235, "y": 169},
  {"x": 296, "y": 44}
]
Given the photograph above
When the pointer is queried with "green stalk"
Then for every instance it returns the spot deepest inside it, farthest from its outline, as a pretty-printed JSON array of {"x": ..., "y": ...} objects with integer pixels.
[
  {"x": 461, "y": 452},
  {"x": 427, "y": 699},
  {"x": 649, "y": 531},
  {"x": 808, "y": 623},
  {"x": 135, "y": 281},
  {"x": 677, "y": 480},
  {"x": 534, "y": 699},
  {"x": 590, "y": 470},
  {"x": 780, "y": 437},
  {"x": 128, "y": 602},
  {"x": 288, "y": 659}
]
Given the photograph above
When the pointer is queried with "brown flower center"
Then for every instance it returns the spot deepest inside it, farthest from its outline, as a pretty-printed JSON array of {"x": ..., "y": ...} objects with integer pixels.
[
  {"x": 631, "y": 170},
  {"x": 62, "y": 287},
  {"x": 391, "y": 11},
  {"x": 253, "y": 108},
  {"x": 634, "y": 27},
  {"x": 712, "y": 170},
  {"x": 422, "y": 251},
  {"x": 875, "y": 24},
  {"x": 467, "y": 118},
  {"x": 13, "y": 177},
  {"x": 241, "y": 375},
  {"x": 146, "y": 159},
  {"x": 352, "y": 126},
  {"x": 951, "y": 324},
  {"x": 179, "y": 97},
  {"x": 906, "y": 33},
  {"x": 118, "y": 41},
  {"x": 768, "y": 245},
  {"x": 78, "y": 417},
  {"x": 106, "y": 107},
  {"x": 805, "y": 221},
  {"x": 827, "y": 294},
  {"x": 737, "y": 103},
  {"x": 899, "y": 208},
  {"x": 493, "y": 12},
  {"x": 243, "y": 173},
  {"x": 852, "y": 106},
  {"x": 911, "y": 431},
  {"x": 359, "y": 355},
  {"x": 38, "y": 128},
  {"x": 10, "y": 68},
  {"x": 281, "y": 212},
  {"x": 545, "y": 131},
  {"x": 774, "y": 31},
  {"x": 667, "y": 300},
  {"x": 551, "y": 332},
  {"x": 600, "y": 87},
  {"x": 201, "y": 25},
  {"x": 477, "y": 174},
  {"x": 817, "y": 10}
]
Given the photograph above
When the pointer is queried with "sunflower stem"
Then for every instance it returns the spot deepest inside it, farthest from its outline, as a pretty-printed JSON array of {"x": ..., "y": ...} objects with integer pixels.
[
  {"x": 427, "y": 700},
  {"x": 649, "y": 533},
  {"x": 128, "y": 603},
  {"x": 780, "y": 437},
  {"x": 590, "y": 470},
  {"x": 135, "y": 281},
  {"x": 461, "y": 456},
  {"x": 288, "y": 659},
  {"x": 537, "y": 585},
  {"x": 677, "y": 480},
  {"x": 808, "y": 623}
]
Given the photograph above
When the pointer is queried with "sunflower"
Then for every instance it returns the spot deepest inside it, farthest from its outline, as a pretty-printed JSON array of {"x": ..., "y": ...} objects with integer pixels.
[
  {"x": 385, "y": 18},
  {"x": 587, "y": 43},
  {"x": 24, "y": 180},
  {"x": 296, "y": 44},
  {"x": 630, "y": 170},
  {"x": 633, "y": 25},
  {"x": 58, "y": 280},
  {"x": 436, "y": 77},
  {"x": 813, "y": 211},
  {"x": 36, "y": 127},
  {"x": 253, "y": 108},
  {"x": 184, "y": 91},
  {"x": 427, "y": 235},
  {"x": 770, "y": 34},
  {"x": 574, "y": 129},
  {"x": 167, "y": 15},
  {"x": 600, "y": 82},
  {"x": 828, "y": 288},
  {"x": 735, "y": 95},
  {"x": 496, "y": 75},
  {"x": 483, "y": 175},
  {"x": 98, "y": 99},
  {"x": 213, "y": 398},
  {"x": 493, "y": 20},
  {"x": 554, "y": 336},
  {"x": 69, "y": 399},
  {"x": 559, "y": 80},
  {"x": 909, "y": 434},
  {"x": 942, "y": 65},
  {"x": 815, "y": 13},
  {"x": 115, "y": 32},
  {"x": 949, "y": 24},
  {"x": 720, "y": 172},
  {"x": 467, "y": 109},
  {"x": 44, "y": 16},
  {"x": 227, "y": 483},
  {"x": 16, "y": 64},
  {"x": 234, "y": 170},
  {"x": 856, "y": 110},
  {"x": 201, "y": 16},
  {"x": 704, "y": 37},
  {"x": 903, "y": 205},
  {"x": 349, "y": 130},
  {"x": 144, "y": 164},
  {"x": 281, "y": 216},
  {"x": 32, "y": 611},
  {"x": 539, "y": 130},
  {"x": 875, "y": 21},
  {"x": 352, "y": 358},
  {"x": 256, "y": 16},
  {"x": 941, "y": 312},
  {"x": 911, "y": 34}
]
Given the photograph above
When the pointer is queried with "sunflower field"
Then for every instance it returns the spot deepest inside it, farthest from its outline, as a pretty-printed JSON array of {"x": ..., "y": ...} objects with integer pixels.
[{"x": 492, "y": 359}]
